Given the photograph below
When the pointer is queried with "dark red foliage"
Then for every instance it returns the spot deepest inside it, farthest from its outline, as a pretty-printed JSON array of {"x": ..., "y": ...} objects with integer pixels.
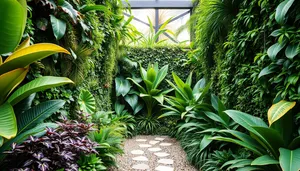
[{"x": 58, "y": 148}]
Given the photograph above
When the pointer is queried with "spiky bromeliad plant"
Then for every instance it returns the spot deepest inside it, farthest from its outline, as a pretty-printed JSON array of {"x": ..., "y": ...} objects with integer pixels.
[{"x": 151, "y": 94}]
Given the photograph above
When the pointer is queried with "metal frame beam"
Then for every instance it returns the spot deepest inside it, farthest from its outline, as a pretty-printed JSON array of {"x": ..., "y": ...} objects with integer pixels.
[{"x": 135, "y": 4}]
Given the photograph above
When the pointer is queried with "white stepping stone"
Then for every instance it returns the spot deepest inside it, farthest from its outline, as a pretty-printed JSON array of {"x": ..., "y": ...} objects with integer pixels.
[
  {"x": 140, "y": 158},
  {"x": 165, "y": 144},
  {"x": 161, "y": 154},
  {"x": 159, "y": 139},
  {"x": 137, "y": 152},
  {"x": 141, "y": 167},
  {"x": 166, "y": 161},
  {"x": 141, "y": 140},
  {"x": 145, "y": 145},
  {"x": 154, "y": 149},
  {"x": 164, "y": 168},
  {"x": 153, "y": 142}
]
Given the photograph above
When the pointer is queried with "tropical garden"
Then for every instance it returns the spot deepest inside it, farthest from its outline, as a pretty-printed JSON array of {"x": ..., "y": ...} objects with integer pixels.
[{"x": 78, "y": 79}]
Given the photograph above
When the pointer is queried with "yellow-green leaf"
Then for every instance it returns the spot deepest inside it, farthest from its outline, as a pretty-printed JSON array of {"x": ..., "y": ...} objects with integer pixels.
[
  {"x": 37, "y": 85},
  {"x": 8, "y": 122},
  {"x": 28, "y": 55},
  {"x": 24, "y": 44},
  {"x": 278, "y": 110},
  {"x": 10, "y": 80}
]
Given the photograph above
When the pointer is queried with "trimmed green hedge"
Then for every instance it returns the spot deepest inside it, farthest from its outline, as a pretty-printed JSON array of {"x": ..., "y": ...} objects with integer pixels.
[{"x": 175, "y": 56}]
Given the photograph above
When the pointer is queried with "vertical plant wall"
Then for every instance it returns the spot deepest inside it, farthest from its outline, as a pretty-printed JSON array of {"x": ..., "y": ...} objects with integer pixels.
[
  {"x": 235, "y": 43},
  {"x": 90, "y": 30}
]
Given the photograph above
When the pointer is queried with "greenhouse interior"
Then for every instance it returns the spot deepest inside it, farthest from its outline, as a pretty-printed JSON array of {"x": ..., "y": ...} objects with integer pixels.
[{"x": 154, "y": 85}]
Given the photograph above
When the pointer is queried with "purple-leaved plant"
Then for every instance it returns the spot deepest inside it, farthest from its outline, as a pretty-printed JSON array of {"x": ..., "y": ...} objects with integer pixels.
[{"x": 58, "y": 148}]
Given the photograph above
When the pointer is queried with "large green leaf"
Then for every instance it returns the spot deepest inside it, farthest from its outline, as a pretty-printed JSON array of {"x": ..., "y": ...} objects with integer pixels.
[
  {"x": 37, "y": 85},
  {"x": 122, "y": 86},
  {"x": 278, "y": 110},
  {"x": 291, "y": 51},
  {"x": 133, "y": 101},
  {"x": 38, "y": 114},
  {"x": 59, "y": 27},
  {"x": 275, "y": 49},
  {"x": 8, "y": 122},
  {"x": 270, "y": 139},
  {"x": 266, "y": 71},
  {"x": 205, "y": 142},
  {"x": 281, "y": 10},
  {"x": 289, "y": 159},
  {"x": 162, "y": 73},
  {"x": 68, "y": 8},
  {"x": 13, "y": 16},
  {"x": 87, "y": 102},
  {"x": 25, "y": 56},
  {"x": 264, "y": 160},
  {"x": 245, "y": 120}
]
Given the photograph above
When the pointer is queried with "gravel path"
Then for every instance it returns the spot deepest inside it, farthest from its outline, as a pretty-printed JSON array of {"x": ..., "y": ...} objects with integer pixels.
[{"x": 153, "y": 153}]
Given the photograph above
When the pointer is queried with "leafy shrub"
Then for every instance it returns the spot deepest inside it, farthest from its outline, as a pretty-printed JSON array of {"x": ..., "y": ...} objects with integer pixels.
[
  {"x": 58, "y": 148},
  {"x": 271, "y": 144},
  {"x": 110, "y": 139},
  {"x": 90, "y": 163}
]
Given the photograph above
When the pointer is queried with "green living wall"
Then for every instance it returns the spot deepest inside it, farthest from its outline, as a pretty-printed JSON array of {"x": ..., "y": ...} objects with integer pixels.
[
  {"x": 92, "y": 36},
  {"x": 175, "y": 56},
  {"x": 232, "y": 49}
]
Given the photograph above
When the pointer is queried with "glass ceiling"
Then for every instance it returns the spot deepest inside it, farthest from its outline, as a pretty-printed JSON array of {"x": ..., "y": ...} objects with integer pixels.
[
  {"x": 159, "y": 11},
  {"x": 161, "y": 3}
]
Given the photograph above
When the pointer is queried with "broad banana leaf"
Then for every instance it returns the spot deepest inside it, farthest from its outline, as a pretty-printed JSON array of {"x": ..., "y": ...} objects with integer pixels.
[
  {"x": 264, "y": 160},
  {"x": 10, "y": 80},
  {"x": 8, "y": 122},
  {"x": 87, "y": 102},
  {"x": 37, "y": 85},
  {"x": 289, "y": 159},
  {"x": 38, "y": 114},
  {"x": 13, "y": 15},
  {"x": 28, "y": 55},
  {"x": 278, "y": 110}
]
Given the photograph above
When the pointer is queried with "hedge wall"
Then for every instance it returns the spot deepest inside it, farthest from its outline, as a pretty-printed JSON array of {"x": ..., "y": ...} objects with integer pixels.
[{"x": 176, "y": 57}]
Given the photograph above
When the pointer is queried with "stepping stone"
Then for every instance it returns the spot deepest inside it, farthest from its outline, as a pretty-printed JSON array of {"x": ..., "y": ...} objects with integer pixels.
[
  {"x": 145, "y": 145},
  {"x": 139, "y": 152},
  {"x": 159, "y": 139},
  {"x": 165, "y": 144},
  {"x": 166, "y": 161},
  {"x": 140, "y": 158},
  {"x": 161, "y": 154},
  {"x": 154, "y": 149},
  {"x": 141, "y": 167},
  {"x": 141, "y": 140},
  {"x": 164, "y": 168},
  {"x": 153, "y": 142}
]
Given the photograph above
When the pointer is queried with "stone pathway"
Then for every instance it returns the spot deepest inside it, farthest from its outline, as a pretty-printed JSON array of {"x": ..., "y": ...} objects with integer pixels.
[{"x": 153, "y": 153}]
